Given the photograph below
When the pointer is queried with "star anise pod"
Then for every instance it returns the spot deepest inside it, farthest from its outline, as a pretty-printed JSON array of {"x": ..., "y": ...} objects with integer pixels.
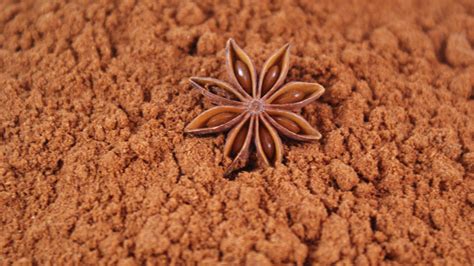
[{"x": 258, "y": 108}]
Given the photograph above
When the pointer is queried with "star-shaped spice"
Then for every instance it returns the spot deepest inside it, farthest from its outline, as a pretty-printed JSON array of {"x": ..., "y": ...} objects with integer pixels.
[{"x": 255, "y": 108}]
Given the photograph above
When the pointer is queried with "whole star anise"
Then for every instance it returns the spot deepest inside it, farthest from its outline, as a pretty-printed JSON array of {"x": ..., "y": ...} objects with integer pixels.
[{"x": 255, "y": 107}]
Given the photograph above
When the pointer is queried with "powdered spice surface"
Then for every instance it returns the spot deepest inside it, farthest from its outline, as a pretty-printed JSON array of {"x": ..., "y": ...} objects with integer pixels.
[{"x": 95, "y": 168}]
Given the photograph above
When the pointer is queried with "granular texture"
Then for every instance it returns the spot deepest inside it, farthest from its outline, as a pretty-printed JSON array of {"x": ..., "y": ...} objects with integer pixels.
[{"x": 95, "y": 168}]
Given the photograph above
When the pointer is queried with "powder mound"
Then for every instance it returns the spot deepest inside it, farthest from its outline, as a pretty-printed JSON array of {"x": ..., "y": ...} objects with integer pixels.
[
  {"x": 208, "y": 44},
  {"x": 345, "y": 176},
  {"x": 95, "y": 168},
  {"x": 334, "y": 241},
  {"x": 458, "y": 50},
  {"x": 383, "y": 39},
  {"x": 190, "y": 14}
]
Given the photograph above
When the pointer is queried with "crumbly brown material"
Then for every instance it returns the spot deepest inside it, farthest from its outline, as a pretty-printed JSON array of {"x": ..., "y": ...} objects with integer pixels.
[{"x": 95, "y": 168}]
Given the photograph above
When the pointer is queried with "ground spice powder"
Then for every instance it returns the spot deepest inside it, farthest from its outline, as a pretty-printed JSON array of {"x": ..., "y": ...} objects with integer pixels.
[{"x": 95, "y": 168}]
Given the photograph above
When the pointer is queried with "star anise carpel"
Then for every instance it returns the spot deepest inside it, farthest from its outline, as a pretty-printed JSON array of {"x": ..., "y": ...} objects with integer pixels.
[{"x": 255, "y": 107}]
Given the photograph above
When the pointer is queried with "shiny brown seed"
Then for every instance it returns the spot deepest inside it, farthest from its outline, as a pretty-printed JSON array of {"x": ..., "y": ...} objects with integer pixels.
[
  {"x": 239, "y": 140},
  {"x": 267, "y": 142},
  {"x": 243, "y": 76},
  {"x": 287, "y": 123},
  {"x": 290, "y": 97},
  {"x": 220, "y": 119},
  {"x": 270, "y": 78}
]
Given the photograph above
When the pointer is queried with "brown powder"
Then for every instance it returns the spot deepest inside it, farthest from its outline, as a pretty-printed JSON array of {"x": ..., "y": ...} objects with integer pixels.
[{"x": 94, "y": 166}]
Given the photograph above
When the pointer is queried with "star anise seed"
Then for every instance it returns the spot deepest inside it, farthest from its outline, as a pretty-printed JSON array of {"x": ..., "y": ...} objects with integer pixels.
[{"x": 260, "y": 111}]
